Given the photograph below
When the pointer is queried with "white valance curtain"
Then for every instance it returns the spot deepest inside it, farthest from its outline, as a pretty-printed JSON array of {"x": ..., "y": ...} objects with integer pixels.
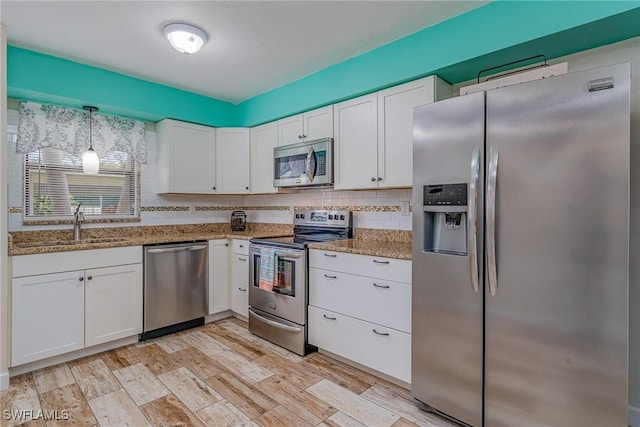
[{"x": 67, "y": 129}]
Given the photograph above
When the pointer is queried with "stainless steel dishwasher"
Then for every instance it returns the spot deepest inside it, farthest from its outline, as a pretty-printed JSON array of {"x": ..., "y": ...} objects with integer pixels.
[{"x": 176, "y": 279}]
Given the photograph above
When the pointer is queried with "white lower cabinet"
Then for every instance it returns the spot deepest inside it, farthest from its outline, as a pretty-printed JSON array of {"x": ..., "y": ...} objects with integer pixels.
[
  {"x": 357, "y": 312},
  {"x": 240, "y": 278},
  {"x": 47, "y": 316},
  {"x": 218, "y": 275},
  {"x": 64, "y": 301},
  {"x": 113, "y": 303}
]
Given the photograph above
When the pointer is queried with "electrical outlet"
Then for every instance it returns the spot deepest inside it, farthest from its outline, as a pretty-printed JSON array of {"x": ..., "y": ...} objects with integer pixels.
[
  {"x": 192, "y": 208},
  {"x": 404, "y": 207}
]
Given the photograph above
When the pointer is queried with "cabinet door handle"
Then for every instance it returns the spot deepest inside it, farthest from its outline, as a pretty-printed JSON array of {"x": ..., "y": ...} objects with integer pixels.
[
  {"x": 242, "y": 246},
  {"x": 81, "y": 279},
  {"x": 379, "y": 179},
  {"x": 213, "y": 188},
  {"x": 384, "y": 334},
  {"x": 90, "y": 278},
  {"x": 373, "y": 179},
  {"x": 246, "y": 188},
  {"x": 328, "y": 318},
  {"x": 381, "y": 286},
  {"x": 300, "y": 136},
  {"x": 380, "y": 262},
  {"x": 331, "y": 255},
  {"x": 330, "y": 277},
  {"x": 242, "y": 259},
  {"x": 242, "y": 290}
]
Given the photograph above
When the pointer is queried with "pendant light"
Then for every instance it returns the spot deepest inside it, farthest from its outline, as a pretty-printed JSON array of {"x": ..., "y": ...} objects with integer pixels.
[{"x": 90, "y": 160}]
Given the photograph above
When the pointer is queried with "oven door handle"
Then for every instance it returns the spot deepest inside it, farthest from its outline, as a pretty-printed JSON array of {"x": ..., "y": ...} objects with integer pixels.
[
  {"x": 273, "y": 323},
  {"x": 281, "y": 254}
]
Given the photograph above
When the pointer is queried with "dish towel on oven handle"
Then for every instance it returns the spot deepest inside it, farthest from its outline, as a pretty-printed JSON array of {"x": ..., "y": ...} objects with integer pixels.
[{"x": 267, "y": 268}]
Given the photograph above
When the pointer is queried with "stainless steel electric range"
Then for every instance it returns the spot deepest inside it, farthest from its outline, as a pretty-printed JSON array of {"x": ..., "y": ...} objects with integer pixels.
[{"x": 278, "y": 277}]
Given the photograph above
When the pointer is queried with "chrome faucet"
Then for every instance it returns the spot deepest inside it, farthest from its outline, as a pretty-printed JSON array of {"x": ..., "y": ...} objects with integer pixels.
[{"x": 78, "y": 219}]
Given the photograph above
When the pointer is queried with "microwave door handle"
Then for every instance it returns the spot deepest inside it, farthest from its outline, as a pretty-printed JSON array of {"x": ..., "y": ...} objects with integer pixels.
[{"x": 311, "y": 154}]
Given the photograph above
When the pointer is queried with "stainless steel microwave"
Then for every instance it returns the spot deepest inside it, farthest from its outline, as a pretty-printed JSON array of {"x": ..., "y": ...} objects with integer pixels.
[{"x": 304, "y": 164}]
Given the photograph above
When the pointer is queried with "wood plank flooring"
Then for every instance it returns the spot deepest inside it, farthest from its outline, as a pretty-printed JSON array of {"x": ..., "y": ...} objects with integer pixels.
[{"x": 215, "y": 375}]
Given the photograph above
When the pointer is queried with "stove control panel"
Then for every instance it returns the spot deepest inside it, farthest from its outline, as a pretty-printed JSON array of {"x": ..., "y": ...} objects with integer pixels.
[{"x": 326, "y": 218}]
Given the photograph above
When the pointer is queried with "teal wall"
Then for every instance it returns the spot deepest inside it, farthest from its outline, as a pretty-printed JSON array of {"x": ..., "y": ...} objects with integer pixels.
[
  {"x": 43, "y": 78},
  {"x": 497, "y": 33},
  {"x": 456, "y": 50}
]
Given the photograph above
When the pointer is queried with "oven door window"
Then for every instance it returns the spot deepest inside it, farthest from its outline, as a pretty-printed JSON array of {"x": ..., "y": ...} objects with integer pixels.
[{"x": 284, "y": 278}]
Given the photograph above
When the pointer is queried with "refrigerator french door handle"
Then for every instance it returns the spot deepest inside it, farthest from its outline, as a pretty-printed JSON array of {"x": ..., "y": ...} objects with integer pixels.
[
  {"x": 492, "y": 176},
  {"x": 472, "y": 218}
]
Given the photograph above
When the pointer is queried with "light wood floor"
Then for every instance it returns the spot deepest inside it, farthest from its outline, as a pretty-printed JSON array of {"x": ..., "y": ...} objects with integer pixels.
[{"x": 215, "y": 375}]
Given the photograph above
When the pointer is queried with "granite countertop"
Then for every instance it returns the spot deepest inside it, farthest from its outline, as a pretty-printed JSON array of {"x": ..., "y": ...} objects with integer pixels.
[
  {"x": 381, "y": 248},
  {"x": 40, "y": 242}
]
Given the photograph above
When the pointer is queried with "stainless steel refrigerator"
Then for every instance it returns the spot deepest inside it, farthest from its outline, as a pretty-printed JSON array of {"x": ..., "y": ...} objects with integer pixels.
[{"x": 521, "y": 253}]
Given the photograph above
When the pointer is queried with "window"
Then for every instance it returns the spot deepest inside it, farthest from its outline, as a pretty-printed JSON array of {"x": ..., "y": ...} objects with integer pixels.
[{"x": 54, "y": 185}]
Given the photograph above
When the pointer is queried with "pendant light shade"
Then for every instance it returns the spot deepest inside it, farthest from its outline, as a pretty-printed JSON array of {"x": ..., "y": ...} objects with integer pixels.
[
  {"x": 90, "y": 160},
  {"x": 185, "y": 38}
]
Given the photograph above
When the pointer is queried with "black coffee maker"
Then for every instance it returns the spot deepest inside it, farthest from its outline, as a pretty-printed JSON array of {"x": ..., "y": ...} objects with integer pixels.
[{"x": 238, "y": 221}]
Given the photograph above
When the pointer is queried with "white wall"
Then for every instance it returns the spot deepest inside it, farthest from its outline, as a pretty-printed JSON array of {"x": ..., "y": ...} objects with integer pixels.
[
  {"x": 4, "y": 273},
  {"x": 374, "y": 209}
]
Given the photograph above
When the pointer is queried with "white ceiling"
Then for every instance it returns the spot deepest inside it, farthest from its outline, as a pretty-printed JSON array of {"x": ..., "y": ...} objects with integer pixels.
[{"x": 253, "y": 47}]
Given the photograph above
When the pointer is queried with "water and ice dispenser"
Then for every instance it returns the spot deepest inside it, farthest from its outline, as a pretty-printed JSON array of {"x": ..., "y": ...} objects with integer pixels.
[{"x": 445, "y": 218}]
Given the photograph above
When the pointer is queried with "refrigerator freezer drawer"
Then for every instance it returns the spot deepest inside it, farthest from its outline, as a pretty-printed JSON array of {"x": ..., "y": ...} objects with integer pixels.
[{"x": 382, "y": 349}]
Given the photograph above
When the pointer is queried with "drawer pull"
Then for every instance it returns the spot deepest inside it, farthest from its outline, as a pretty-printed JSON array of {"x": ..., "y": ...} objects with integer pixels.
[
  {"x": 380, "y": 262},
  {"x": 381, "y": 286},
  {"x": 242, "y": 290},
  {"x": 385, "y": 334},
  {"x": 329, "y": 318},
  {"x": 331, "y": 255},
  {"x": 330, "y": 277},
  {"x": 242, "y": 259}
]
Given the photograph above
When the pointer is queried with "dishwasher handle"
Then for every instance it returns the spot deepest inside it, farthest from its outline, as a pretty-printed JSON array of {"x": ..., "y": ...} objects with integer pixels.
[{"x": 177, "y": 249}]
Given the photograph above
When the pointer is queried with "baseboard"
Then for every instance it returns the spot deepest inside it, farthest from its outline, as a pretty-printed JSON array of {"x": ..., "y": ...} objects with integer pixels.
[
  {"x": 66, "y": 357},
  {"x": 4, "y": 380},
  {"x": 634, "y": 417}
]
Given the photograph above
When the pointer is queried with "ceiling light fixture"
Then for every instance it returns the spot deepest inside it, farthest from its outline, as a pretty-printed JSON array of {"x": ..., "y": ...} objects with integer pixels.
[
  {"x": 185, "y": 38},
  {"x": 90, "y": 160}
]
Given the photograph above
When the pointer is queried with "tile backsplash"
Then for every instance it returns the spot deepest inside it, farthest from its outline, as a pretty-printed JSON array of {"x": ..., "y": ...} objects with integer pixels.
[{"x": 371, "y": 209}]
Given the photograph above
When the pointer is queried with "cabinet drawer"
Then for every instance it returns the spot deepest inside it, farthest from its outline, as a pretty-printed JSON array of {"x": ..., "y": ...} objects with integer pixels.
[
  {"x": 241, "y": 247},
  {"x": 383, "y": 349},
  {"x": 398, "y": 270},
  {"x": 379, "y": 301},
  {"x": 240, "y": 269}
]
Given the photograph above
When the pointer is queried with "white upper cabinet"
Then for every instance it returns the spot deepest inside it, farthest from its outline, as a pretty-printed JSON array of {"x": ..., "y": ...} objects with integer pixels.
[
  {"x": 264, "y": 139},
  {"x": 232, "y": 161},
  {"x": 355, "y": 144},
  {"x": 374, "y": 135},
  {"x": 186, "y": 157},
  {"x": 395, "y": 127},
  {"x": 314, "y": 124}
]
